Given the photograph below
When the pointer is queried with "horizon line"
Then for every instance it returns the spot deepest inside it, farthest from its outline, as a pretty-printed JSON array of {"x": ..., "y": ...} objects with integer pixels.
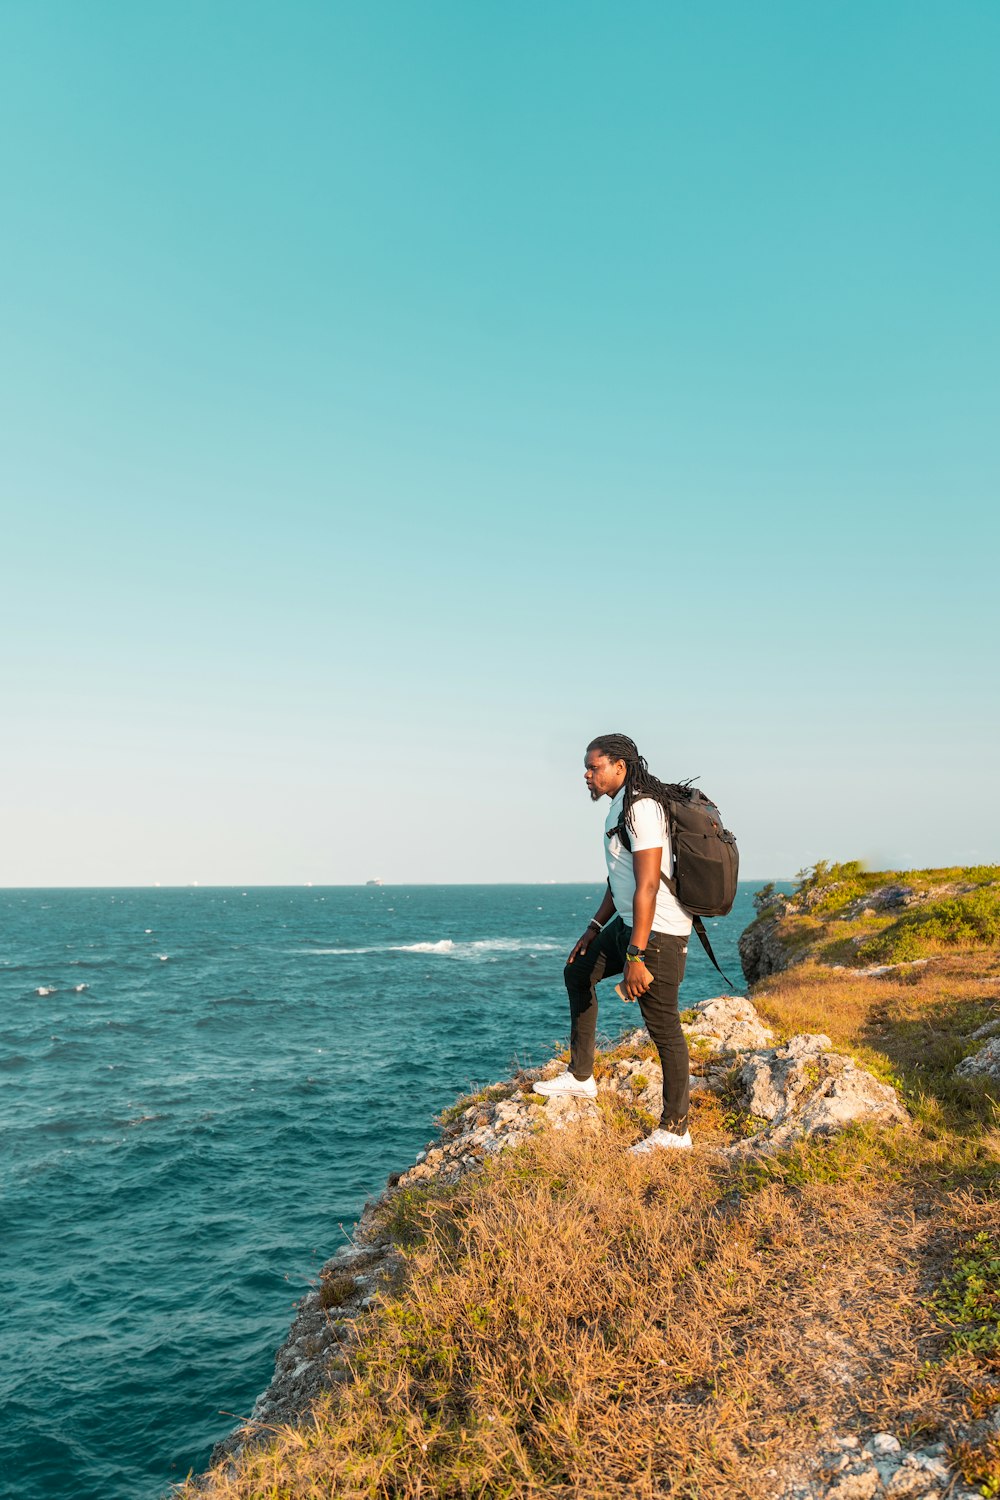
[{"x": 343, "y": 885}]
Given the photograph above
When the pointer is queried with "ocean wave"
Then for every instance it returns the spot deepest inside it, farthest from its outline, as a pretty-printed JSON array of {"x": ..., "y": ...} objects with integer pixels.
[
  {"x": 448, "y": 948},
  {"x": 515, "y": 945}
]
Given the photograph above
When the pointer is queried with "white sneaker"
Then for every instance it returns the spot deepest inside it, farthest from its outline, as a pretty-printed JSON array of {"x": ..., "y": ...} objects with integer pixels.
[
  {"x": 661, "y": 1140},
  {"x": 566, "y": 1084}
]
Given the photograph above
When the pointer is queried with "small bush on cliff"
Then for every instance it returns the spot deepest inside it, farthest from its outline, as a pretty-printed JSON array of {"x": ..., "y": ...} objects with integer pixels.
[
  {"x": 971, "y": 920},
  {"x": 825, "y": 887},
  {"x": 766, "y": 898},
  {"x": 334, "y": 1291}
]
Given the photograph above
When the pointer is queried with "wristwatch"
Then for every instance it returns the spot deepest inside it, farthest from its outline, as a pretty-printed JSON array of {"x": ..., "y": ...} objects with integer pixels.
[{"x": 634, "y": 954}]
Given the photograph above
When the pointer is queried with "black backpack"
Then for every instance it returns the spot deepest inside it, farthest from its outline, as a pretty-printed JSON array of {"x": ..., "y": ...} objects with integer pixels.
[{"x": 706, "y": 859}]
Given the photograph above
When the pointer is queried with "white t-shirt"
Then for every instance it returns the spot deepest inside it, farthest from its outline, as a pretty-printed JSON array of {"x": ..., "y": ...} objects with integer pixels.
[{"x": 649, "y": 823}]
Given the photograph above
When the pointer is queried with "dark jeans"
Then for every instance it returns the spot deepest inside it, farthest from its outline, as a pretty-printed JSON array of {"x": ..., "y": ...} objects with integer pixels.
[{"x": 665, "y": 958}]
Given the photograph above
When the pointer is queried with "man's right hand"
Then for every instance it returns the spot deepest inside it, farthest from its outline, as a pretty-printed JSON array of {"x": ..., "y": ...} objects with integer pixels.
[{"x": 582, "y": 945}]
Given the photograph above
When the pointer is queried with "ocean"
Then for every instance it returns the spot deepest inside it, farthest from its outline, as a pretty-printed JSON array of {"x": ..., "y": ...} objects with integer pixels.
[{"x": 198, "y": 1091}]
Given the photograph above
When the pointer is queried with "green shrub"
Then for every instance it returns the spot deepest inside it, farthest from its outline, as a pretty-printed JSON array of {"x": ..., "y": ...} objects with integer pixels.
[
  {"x": 971, "y": 920},
  {"x": 896, "y": 945},
  {"x": 969, "y": 1299},
  {"x": 822, "y": 874},
  {"x": 832, "y": 887},
  {"x": 765, "y": 898}
]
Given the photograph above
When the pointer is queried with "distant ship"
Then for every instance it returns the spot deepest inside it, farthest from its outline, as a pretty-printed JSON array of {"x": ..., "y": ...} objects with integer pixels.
[{"x": 373, "y": 882}]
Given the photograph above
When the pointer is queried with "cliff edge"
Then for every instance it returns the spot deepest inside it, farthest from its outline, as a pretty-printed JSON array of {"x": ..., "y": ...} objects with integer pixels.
[{"x": 806, "y": 1305}]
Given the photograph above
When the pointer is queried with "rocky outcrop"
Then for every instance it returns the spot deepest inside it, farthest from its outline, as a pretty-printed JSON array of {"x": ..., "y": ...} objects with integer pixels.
[
  {"x": 504, "y": 1116},
  {"x": 762, "y": 951},
  {"x": 805, "y": 1089},
  {"x": 887, "y": 898},
  {"x": 982, "y": 1064},
  {"x": 849, "y": 1468},
  {"x": 729, "y": 1023}
]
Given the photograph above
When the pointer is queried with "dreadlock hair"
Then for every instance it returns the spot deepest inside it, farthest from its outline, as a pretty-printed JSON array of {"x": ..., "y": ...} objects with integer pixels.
[{"x": 639, "y": 780}]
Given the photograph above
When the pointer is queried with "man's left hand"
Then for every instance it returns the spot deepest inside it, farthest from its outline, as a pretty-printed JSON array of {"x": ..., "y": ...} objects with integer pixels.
[{"x": 636, "y": 981}]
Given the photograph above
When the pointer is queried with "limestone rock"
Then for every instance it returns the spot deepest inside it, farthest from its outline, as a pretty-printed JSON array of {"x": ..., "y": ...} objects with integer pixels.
[
  {"x": 904, "y": 1483},
  {"x": 883, "y": 1443},
  {"x": 982, "y": 1064},
  {"x": 562, "y": 1112},
  {"x": 772, "y": 1079},
  {"x": 804, "y": 1089},
  {"x": 890, "y": 898},
  {"x": 860, "y": 1482},
  {"x": 728, "y": 1023},
  {"x": 640, "y": 1080},
  {"x": 850, "y": 1470},
  {"x": 879, "y": 971}
]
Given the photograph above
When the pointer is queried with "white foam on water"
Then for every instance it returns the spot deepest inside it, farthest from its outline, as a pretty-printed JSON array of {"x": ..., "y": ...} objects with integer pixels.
[
  {"x": 43, "y": 990},
  {"x": 444, "y": 946},
  {"x": 326, "y": 952},
  {"x": 514, "y": 945},
  {"x": 81, "y": 987},
  {"x": 448, "y": 948}
]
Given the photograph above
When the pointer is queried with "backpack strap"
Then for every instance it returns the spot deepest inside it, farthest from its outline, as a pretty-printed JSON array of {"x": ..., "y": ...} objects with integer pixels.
[{"x": 699, "y": 928}]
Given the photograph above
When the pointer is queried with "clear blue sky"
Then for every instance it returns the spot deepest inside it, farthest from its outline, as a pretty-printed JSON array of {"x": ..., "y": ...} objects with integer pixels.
[{"x": 395, "y": 396}]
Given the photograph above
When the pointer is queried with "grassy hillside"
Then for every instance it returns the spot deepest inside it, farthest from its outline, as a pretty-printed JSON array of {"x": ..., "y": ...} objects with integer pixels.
[
  {"x": 848, "y": 915},
  {"x": 570, "y": 1320}
]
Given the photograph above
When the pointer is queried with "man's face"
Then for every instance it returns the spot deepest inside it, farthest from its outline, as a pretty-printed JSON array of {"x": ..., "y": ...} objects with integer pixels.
[{"x": 603, "y": 776}]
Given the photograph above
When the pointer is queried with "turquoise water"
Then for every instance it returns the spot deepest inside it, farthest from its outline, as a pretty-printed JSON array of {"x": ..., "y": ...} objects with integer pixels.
[{"x": 198, "y": 1091}]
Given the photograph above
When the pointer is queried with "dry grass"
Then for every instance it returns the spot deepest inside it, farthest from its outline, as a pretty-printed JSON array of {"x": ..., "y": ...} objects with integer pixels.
[
  {"x": 910, "y": 1028},
  {"x": 575, "y": 1321}
]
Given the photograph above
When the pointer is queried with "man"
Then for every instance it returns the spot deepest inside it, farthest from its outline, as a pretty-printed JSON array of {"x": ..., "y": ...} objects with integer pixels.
[{"x": 647, "y": 940}]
